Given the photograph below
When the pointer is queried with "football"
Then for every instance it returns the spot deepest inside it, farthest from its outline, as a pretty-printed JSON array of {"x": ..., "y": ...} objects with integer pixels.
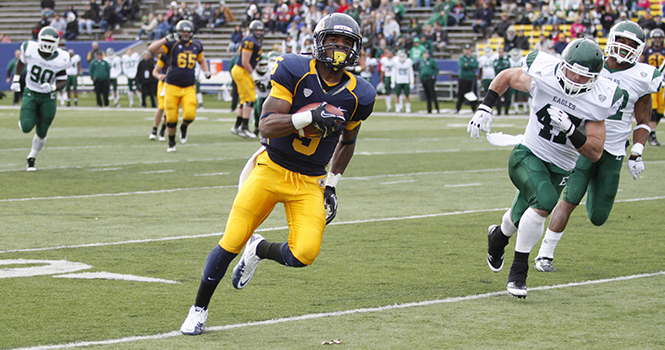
[{"x": 310, "y": 131}]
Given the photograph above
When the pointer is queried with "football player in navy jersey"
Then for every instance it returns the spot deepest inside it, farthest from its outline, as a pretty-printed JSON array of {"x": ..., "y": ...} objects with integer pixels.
[
  {"x": 182, "y": 53},
  {"x": 242, "y": 72},
  {"x": 289, "y": 168}
]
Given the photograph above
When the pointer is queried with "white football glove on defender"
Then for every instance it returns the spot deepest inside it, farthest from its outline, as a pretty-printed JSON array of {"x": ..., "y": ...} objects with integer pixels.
[
  {"x": 562, "y": 120},
  {"x": 48, "y": 87},
  {"x": 16, "y": 87},
  {"x": 481, "y": 121},
  {"x": 635, "y": 165}
]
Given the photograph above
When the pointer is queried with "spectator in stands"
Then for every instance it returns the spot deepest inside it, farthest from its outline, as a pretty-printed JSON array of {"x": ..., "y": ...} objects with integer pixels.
[
  {"x": 659, "y": 22},
  {"x": 561, "y": 43},
  {"x": 508, "y": 6},
  {"x": 459, "y": 12},
  {"x": 172, "y": 13},
  {"x": 294, "y": 27},
  {"x": 43, "y": 22},
  {"x": 48, "y": 7},
  {"x": 440, "y": 40},
  {"x": 148, "y": 25},
  {"x": 163, "y": 27},
  {"x": 207, "y": 14},
  {"x": 223, "y": 15},
  {"x": 428, "y": 72},
  {"x": 424, "y": 3},
  {"x": 236, "y": 38},
  {"x": 642, "y": 5},
  {"x": 577, "y": 29},
  {"x": 72, "y": 29},
  {"x": 414, "y": 29},
  {"x": 70, "y": 9},
  {"x": 88, "y": 19},
  {"x": 253, "y": 9},
  {"x": 483, "y": 18},
  {"x": 130, "y": 8},
  {"x": 95, "y": 7},
  {"x": 543, "y": 44},
  {"x": 646, "y": 20},
  {"x": 528, "y": 16},
  {"x": 514, "y": 39},
  {"x": 109, "y": 18},
  {"x": 391, "y": 30},
  {"x": 416, "y": 53},
  {"x": 607, "y": 19},
  {"x": 146, "y": 80},
  {"x": 313, "y": 16},
  {"x": 501, "y": 27},
  {"x": 108, "y": 35},
  {"x": 4, "y": 38},
  {"x": 442, "y": 14},
  {"x": 543, "y": 17},
  {"x": 343, "y": 5},
  {"x": 353, "y": 11},
  {"x": 466, "y": 83},
  {"x": 58, "y": 23},
  {"x": 331, "y": 7},
  {"x": 398, "y": 11},
  {"x": 281, "y": 16},
  {"x": 92, "y": 54}
]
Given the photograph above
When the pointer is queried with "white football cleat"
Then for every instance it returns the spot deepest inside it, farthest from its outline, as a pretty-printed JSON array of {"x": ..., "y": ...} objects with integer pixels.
[
  {"x": 152, "y": 137},
  {"x": 517, "y": 289},
  {"x": 171, "y": 148},
  {"x": 238, "y": 131},
  {"x": 544, "y": 264},
  {"x": 195, "y": 321},
  {"x": 244, "y": 271},
  {"x": 162, "y": 138},
  {"x": 248, "y": 134}
]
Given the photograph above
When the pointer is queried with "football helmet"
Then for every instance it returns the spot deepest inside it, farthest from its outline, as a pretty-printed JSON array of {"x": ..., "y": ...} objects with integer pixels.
[
  {"x": 401, "y": 56},
  {"x": 488, "y": 51},
  {"x": 342, "y": 55},
  {"x": 625, "y": 53},
  {"x": 584, "y": 58},
  {"x": 110, "y": 52},
  {"x": 256, "y": 28},
  {"x": 515, "y": 54},
  {"x": 48, "y": 39},
  {"x": 185, "y": 26},
  {"x": 657, "y": 35},
  {"x": 262, "y": 65}
]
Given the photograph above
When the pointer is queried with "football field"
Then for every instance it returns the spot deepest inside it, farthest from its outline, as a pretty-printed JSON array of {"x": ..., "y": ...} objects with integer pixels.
[{"x": 103, "y": 246}]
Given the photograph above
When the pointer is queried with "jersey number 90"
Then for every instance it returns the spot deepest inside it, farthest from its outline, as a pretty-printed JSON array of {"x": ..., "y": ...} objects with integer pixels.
[{"x": 39, "y": 75}]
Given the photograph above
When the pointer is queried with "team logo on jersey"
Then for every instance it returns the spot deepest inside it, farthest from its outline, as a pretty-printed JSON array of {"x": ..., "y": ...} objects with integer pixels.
[
  {"x": 307, "y": 92},
  {"x": 643, "y": 74},
  {"x": 602, "y": 98}
]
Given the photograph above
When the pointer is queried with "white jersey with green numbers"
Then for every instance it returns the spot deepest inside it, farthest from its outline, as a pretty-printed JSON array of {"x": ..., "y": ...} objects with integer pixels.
[
  {"x": 262, "y": 84},
  {"x": 74, "y": 68},
  {"x": 543, "y": 136},
  {"x": 116, "y": 66},
  {"x": 43, "y": 70},
  {"x": 387, "y": 65},
  {"x": 403, "y": 72},
  {"x": 130, "y": 64},
  {"x": 487, "y": 65},
  {"x": 639, "y": 80}
]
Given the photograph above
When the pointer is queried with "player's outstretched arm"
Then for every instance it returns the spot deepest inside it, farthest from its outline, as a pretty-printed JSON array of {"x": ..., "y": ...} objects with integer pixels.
[
  {"x": 512, "y": 77},
  {"x": 640, "y": 135},
  {"x": 276, "y": 122}
]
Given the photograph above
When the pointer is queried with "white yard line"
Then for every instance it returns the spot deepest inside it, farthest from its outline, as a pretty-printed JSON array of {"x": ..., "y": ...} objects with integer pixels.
[{"x": 335, "y": 314}]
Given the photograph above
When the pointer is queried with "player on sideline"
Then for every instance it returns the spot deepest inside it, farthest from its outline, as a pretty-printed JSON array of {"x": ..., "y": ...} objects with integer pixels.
[
  {"x": 249, "y": 55},
  {"x": 567, "y": 96},
  {"x": 116, "y": 69},
  {"x": 130, "y": 64},
  {"x": 73, "y": 72},
  {"x": 386, "y": 74},
  {"x": 262, "y": 82},
  {"x": 182, "y": 52},
  {"x": 402, "y": 81},
  {"x": 625, "y": 44},
  {"x": 46, "y": 65},
  {"x": 159, "y": 72},
  {"x": 289, "y": 168},
  {"x": 654, "y": 55}
]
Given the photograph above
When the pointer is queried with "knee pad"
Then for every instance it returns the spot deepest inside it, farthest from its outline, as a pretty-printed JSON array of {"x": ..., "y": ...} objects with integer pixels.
[
  {"x": 288, "y": 257},
  {"x": 655, "y": 116},
  {"x": 171, "y": 125}
]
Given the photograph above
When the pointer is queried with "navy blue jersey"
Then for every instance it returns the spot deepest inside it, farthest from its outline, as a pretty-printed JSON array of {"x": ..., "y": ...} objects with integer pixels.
[
  {"x": 294, "y": 80},
  {"x": 250, "y": 43},
  {"x": 182, "y": 60}
]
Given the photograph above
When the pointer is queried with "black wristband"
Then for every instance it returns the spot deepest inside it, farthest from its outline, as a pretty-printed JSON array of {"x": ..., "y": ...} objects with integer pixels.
[
  {"x": 577, "y": 139},
  {"x": 490, "y": 98}
]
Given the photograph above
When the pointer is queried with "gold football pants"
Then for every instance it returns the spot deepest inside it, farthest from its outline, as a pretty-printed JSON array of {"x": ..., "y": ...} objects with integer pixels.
[{"x": 177, "y": 96}]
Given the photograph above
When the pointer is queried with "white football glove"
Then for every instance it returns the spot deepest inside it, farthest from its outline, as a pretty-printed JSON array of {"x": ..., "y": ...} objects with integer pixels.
[
  {"x": 16, "y": 87},
  {"x": 47, "y": 87},
  {"x": 481, "y": 121},
  {"x": 635, "y": 165},
  {"x": 206, "y": 74},
  {"x": 562, "y": 120},
  {"x": 172, "y": 37}
]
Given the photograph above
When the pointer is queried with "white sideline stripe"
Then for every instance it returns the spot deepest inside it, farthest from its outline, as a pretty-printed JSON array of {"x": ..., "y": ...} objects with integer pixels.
[
  {"x": 336, "y": 313},
  {"x": 258, "y": 230},
  {"x": 115, "y": 194}
]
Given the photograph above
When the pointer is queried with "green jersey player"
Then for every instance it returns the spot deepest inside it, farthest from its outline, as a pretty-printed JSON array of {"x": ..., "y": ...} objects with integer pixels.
[
  {"x": 625, "y": 45},
  {"x": 46, "y": 65},
  {"x": 569, "y": 105}
]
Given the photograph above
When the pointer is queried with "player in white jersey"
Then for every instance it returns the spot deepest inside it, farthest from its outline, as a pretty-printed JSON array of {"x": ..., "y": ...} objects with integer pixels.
[
  {"x": 46, "y": 65},
  {"x": 402, "y": 80},
  {"x": 115, "y": 63},
  {"x": 198, "y": 73},
  {"x": 386, "y": 74},
  {"x": 569, "y": 105},
  {"x": 486, "y": 65},
  {"x": 625, "y": 44},
  {"x": 130, "y": 64},
  {"x": 262, "y": 87},
  {"x": 73, "y": 72}
]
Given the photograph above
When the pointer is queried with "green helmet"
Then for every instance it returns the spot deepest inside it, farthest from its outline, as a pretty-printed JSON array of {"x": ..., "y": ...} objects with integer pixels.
[
  {"x": 110, "y": 52},
  {"x": 48, "y": 39},
  {"x": 582, "y": 57},
  {"x": 262, "y": 65},
  {"x": 624, "y": 53}
]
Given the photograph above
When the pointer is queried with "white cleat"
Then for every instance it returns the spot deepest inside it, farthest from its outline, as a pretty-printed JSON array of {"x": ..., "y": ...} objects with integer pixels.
[
  {"x": 195, "y": 321},
  {"x": 162, "y": 138},
  {"x": 244, "y": 271},
  {"x": 544, "y": 264},
  {"x": 152, "y": 137},
  {"x": 238, "y": 131},
  {"x": 171, "y": 148},
  {"x": 248, "y": 134},
  {"x": 516, "y": 289}
]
